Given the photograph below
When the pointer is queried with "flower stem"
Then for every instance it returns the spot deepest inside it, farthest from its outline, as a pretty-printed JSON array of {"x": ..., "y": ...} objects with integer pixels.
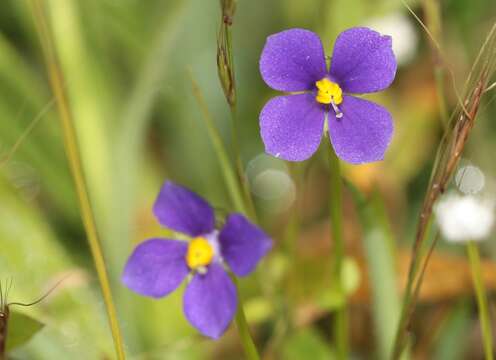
[
  {"x": 340, "y": 325},
  {"x": 74, "y": 158},
  {"x": 228, "y": 172},
  {"x": 243, "y": 183},
  {"x": 249, "y": 347},
  {"x": 227, "y": 79},
  {"x": 480, "y": 291}
]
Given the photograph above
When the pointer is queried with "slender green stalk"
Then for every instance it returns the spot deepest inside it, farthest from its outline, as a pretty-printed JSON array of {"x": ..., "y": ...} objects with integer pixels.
[
  {"x": 249, "y": 347},
  {"x": 74, "y": 158},
  {"x": 227, "y": 79},
  {"x": 225, "y": 67},
  {"x": 432, "y": 9},
  {"x": 234, "y": 136},
  {"x": 250, "y": 206},
  {"x": 443, "y": 110},
  {"x": 336, "y": 218},
  {"x": 237, "y": 198},
  {"x": 480, "y": 291},
  {"x": 228, "y": 172}
]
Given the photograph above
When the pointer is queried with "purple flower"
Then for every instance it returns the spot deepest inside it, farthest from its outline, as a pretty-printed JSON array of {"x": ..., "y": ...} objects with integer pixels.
[
  {"x": 158, "y": 266},
  {"x": 292, "y": 125}
]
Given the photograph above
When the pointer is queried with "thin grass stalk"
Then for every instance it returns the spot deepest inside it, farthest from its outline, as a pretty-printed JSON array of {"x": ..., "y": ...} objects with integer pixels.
[
  {"x": 432, "y": 9},
  {"x": 237, "y": 198},
  {"x": 340, "y": 325},
  {"x": 74, "y": 158},
  {"x": 229, "y": 174},
  {"x": 249, "y": 346},
  {"x": 243, "y": 182},
  {"x": 480, "y": 291},
  {"x": 227, "y": 79}
]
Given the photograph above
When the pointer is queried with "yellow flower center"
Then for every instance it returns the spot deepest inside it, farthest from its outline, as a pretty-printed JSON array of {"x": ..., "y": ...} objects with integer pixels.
[
  {"x": 200, "y": 253},
  {"x": 328, "y": 92}
]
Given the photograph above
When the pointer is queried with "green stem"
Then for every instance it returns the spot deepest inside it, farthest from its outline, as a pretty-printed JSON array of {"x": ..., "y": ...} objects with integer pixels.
[
  {"x": 480, "y": 291},
  {"x": 336, "y": 218},
  {"x": 236, "y": 195},
  {"x": 439, "y": 78},
  {"x": 250, "y": 206},
  {"x": 225, "y": 69},
  {"x": 432, "y": 9},
  {"x": 228, "y": 172},
  {"x": 249, "y": 347},
  {"x": 74, "y": 158}
]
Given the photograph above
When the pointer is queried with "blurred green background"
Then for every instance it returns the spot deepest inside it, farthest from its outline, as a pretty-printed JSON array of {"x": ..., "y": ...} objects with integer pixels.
[{"x": 126, "y": 66}]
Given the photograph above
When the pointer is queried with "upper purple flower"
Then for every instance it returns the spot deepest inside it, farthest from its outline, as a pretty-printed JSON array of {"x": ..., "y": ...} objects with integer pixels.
[
  {"x": 292, "y": 125},
  {"x": 158, "y": 266}
]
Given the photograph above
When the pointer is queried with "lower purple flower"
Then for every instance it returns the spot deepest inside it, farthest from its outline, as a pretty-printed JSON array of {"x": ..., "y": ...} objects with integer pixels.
[{"x": 158, "y": 266}]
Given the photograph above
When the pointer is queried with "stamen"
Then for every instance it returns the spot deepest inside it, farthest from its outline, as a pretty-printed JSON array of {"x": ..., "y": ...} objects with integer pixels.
[
  {"x": 338, "y": 112},
  {"x": 329, "y": 93}
]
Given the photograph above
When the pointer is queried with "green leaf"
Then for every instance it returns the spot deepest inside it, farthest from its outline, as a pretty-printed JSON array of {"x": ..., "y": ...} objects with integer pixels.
[{"x": 22, "y": 328}]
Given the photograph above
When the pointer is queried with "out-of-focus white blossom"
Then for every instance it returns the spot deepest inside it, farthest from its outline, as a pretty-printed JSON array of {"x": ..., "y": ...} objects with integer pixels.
[
  {"x": 470, "y": 179},
  {"x": 464, "y": 217},
  {"x": 399, "y": 26}
]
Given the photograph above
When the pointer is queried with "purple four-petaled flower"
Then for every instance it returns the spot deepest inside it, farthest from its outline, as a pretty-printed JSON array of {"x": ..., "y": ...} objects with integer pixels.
[
  {"x": 158, "y": 266},
  {"x": 292, "y": 125}
]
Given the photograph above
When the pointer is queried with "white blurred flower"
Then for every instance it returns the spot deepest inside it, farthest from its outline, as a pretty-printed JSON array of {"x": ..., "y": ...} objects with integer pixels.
[
  {"x": 470, "y": 179},
  {"x": 400, "y": 28},
  {"x": 464, "y": 217}
]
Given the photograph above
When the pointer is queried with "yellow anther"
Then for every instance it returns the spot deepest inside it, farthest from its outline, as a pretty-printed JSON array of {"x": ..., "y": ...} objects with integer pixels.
[
  {"x": 328, "y": 92},
  {"x": 200, "y": 253}
]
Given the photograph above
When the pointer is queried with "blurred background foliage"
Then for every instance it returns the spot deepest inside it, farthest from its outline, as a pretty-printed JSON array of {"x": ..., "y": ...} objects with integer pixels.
[{"x": 126, "y": 66}]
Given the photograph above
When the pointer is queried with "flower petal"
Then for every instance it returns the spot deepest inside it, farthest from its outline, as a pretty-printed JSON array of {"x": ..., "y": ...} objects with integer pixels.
[
  {"x": 210, "y": 301},
  {"x": 293, "y": 60},
  {"x": 242, "y": 244},
  {"x": 363, "y": 134},
  {"x": 363, "y": 61},
  {"x": 156, "y": 267},
  {"x": 182, "y": 210},
  {"x": 291, "y": 126}
]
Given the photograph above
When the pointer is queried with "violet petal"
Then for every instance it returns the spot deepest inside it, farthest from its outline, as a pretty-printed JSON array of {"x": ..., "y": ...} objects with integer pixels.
[
  {"x": 180, "y": 209},
  {"x": 291, "y": 126},
  {"x": 363, "y": 61},
  {"x": 242, "y": 244},
  {"x": 293, "y": 60},
  {"x": 363, "y": 134},
  {"x": 210, "y": 301},
  {"x": 156, "y": 267}
]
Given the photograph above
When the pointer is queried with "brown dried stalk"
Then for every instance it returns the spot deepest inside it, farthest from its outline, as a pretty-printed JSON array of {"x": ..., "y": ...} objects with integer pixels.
[{"x": 449, "y": 152}]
